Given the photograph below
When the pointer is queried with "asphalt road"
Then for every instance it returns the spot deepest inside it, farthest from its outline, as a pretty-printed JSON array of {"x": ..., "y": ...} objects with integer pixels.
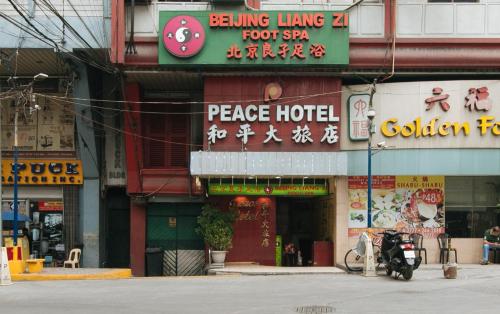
[{"x": 475, "y": 291}]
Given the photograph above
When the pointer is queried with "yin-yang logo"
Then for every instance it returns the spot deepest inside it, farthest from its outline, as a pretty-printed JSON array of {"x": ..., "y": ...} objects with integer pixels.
[{"x": 183, "y": 36}]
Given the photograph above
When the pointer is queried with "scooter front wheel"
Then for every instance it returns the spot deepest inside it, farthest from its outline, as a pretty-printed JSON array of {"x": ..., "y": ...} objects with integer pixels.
[{"x": 388, "y": 271}]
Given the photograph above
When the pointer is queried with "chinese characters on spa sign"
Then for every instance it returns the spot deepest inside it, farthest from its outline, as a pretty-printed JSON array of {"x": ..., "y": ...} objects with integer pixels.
[
  {"x": 254, "y": 38},
  {"x": 269, "y": 115}
]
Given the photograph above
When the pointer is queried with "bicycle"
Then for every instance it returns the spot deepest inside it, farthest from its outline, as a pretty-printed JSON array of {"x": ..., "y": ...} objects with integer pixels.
[{"x": 354, "y": 260}]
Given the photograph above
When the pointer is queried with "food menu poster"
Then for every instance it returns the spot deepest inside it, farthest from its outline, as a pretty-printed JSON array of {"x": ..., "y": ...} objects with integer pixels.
[{"x": 405, "y": 203}]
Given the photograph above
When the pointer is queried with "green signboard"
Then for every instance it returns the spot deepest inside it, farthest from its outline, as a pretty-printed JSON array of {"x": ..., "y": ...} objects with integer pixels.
[
  {"x": 253, "y": 38},
  {"x": 271, "y": 189}
]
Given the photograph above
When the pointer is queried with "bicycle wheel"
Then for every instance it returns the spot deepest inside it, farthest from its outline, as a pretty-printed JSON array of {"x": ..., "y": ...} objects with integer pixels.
[{"x": 353, "y": 261}]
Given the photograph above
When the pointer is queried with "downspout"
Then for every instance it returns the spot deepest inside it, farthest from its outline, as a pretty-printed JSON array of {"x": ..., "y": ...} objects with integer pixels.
[
  {"x": 393, "y": 29},
  {"x": 131, "y": 44}
]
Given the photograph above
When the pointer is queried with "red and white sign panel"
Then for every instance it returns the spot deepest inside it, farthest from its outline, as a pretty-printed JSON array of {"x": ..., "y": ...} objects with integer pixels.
[{"x": 266, "y": 114}]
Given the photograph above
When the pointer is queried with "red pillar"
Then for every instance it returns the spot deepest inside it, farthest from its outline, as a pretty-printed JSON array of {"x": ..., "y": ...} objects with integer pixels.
[
  {"x": 133, "y": 140},
  {"x": 137, "y": 237},
  {"x": 133, "y": 149},
  {"x": 117, "y": 31}
]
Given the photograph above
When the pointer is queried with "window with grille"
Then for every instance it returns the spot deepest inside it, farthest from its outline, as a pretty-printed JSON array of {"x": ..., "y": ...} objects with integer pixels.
[{"x": 167, "y": 138}]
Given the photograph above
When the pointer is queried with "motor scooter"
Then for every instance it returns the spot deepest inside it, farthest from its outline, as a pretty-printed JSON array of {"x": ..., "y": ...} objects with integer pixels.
[{"x": 398, "y": 255}]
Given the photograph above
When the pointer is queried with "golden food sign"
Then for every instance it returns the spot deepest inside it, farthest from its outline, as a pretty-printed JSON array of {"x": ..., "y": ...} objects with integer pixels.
[{"x": 43, "y": 172}]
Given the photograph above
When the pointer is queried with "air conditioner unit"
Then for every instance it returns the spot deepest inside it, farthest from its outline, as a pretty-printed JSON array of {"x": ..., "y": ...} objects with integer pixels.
[
  {"x": 238, "y": 2},
  {"x": 138, "y": 2}
]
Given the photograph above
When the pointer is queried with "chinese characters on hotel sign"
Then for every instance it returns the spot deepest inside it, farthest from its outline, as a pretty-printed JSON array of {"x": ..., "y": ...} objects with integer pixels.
[
  {"x": 259, "y": 114},
  {"x": 301, "y": 134},
  {"x": 254, "y": 38}
]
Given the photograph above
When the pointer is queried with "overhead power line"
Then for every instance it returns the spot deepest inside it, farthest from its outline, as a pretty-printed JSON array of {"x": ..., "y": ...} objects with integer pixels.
[{"x": 56, "y": 46}]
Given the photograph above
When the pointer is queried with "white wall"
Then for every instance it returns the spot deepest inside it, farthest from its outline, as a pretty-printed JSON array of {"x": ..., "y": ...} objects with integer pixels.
[
  {"x": 146, "y": 16},
  {"x": 417, "y": 18}
]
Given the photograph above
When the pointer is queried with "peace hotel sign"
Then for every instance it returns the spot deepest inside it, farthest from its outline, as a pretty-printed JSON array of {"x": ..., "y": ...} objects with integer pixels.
[{"x": 282, "y": 120}]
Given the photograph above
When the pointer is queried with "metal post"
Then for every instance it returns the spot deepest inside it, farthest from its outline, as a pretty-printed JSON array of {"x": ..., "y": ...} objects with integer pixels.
[
  {"x": 370, "y": 177},
  {"x": 1, "y": 221},
  {"x": 370, "y": 116},
  {"x": 16, "y": 209}
]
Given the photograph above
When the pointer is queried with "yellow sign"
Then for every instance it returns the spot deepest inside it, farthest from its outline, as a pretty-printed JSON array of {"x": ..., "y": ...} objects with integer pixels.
[
  {"x": 43, "y": 172},
  {"x": 417, "y": 128}
]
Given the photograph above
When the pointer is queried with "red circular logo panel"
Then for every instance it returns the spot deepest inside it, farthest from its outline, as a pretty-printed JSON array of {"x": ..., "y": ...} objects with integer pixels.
[{"x": 183, "y": 36}]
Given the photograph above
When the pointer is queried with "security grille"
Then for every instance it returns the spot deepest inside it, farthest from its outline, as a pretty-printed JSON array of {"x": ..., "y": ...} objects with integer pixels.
[{"x": 183, "y": 262}]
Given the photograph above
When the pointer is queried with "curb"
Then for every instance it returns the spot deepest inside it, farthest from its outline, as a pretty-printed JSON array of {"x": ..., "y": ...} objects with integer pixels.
[
  {"x": 222, "y": 272},
  {"x": 114, "y": 274},
  {"x": 273, "y": 273}
]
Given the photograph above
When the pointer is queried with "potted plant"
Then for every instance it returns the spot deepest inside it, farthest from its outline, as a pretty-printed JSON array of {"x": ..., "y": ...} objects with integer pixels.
[{"x": 216, "y": 228}]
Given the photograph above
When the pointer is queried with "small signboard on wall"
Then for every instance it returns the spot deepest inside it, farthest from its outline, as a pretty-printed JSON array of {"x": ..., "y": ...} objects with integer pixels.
[
  {"x": 268, "y": 189},
  {"x": 358, "y": 121}
]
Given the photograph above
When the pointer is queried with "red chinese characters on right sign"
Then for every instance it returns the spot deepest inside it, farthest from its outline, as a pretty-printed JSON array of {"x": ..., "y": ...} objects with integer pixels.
[
  {"x": 437, "y": 99},
  {"x": 477, "y": 99}
]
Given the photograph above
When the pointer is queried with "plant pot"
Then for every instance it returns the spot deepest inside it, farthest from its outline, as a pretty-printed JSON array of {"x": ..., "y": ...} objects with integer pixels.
[{"x": 218, "y": 257}]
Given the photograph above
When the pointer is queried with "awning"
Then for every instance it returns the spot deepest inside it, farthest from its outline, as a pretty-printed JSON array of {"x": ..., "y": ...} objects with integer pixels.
[{"x": 268, "y": 164}]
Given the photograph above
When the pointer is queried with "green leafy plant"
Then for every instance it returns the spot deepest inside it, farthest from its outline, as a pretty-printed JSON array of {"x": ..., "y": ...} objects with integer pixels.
[{"x": 216, "y": 227}]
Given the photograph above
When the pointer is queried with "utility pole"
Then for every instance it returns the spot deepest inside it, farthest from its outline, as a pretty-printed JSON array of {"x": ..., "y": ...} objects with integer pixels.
[
  {"x": 371, "y": 115},
  {"x": 1, "y": 171},
  {"x": 16, "y": 209},
  {"x": 27, "y": 89}
]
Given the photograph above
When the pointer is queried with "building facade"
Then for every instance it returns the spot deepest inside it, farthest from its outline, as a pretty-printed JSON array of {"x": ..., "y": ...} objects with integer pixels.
[
  {"x": 217, "y": 113},
  {"x": 67, "y": 188}
]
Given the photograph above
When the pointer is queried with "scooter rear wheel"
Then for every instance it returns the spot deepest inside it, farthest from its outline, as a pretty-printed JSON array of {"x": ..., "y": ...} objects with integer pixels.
[{"x": 407, "y": 273}]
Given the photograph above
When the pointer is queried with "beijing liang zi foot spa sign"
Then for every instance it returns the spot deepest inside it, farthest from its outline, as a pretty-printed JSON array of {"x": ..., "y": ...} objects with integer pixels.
[{"x": 253, "y": 38}]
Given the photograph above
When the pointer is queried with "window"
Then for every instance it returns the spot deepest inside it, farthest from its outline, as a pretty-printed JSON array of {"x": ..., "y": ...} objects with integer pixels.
[
  {"x": 167, "y": 136},
  {"x": 472, "y": 205}
]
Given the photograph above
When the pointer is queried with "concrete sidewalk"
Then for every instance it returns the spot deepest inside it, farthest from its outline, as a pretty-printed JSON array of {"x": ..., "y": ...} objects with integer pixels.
[
  {"x": 254, "y": 269},
  {"x": 58, "y": 273}
]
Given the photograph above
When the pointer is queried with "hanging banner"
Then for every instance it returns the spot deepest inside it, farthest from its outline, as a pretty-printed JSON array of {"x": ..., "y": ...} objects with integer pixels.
[
  {"x": 271, "y": 189},
  {"x": 405, "y": 203},
  {"x": 116, "y": 174}
]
